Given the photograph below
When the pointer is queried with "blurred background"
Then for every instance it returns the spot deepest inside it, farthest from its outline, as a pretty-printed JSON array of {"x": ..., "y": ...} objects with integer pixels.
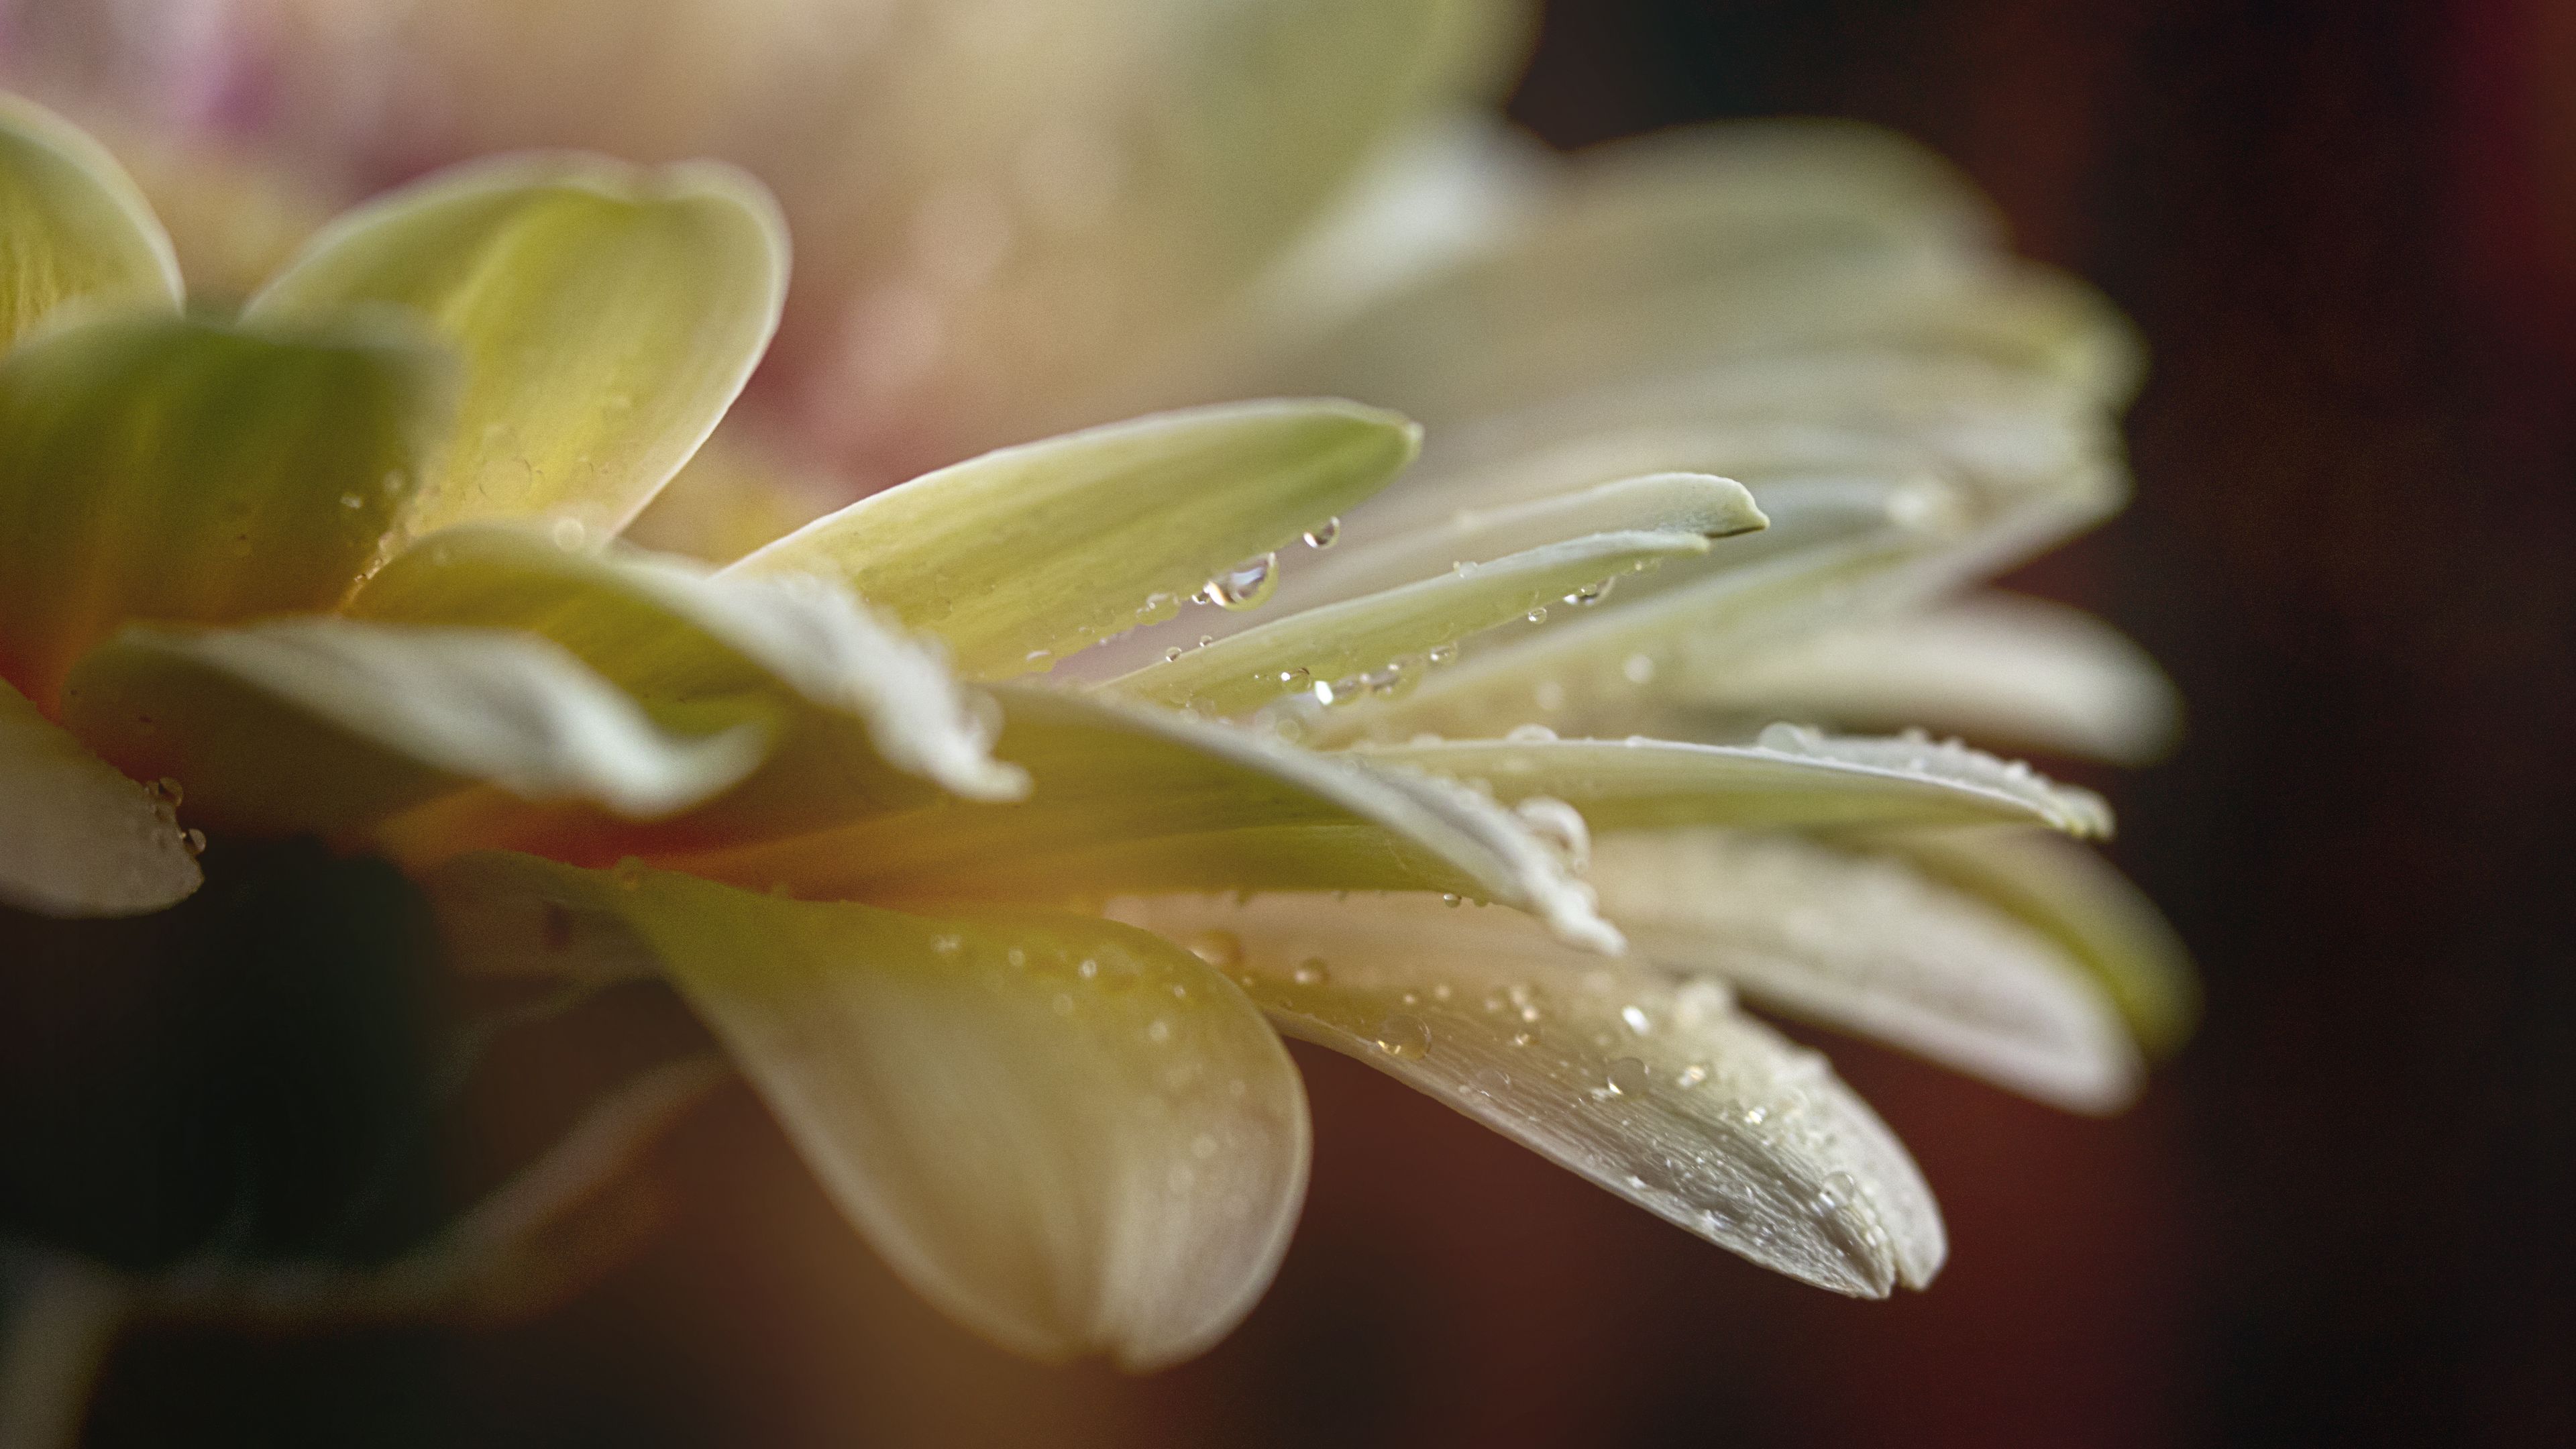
[{"x": 2346, "y": 1215}]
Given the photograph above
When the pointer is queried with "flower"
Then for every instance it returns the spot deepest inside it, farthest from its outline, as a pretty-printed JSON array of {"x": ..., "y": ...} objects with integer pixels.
[{"x": 1009, "y": 960}]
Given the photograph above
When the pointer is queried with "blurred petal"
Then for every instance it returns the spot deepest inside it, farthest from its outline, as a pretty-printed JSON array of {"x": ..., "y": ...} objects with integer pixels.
[
  {"x": 1070, "y": 1135},
  {"x": 183, "y": 470},
  {"x": 74, "y": 231},
  {"x": 77, "y": 838},
  {"x": 1343, "y": 646},
  {"x": 2072, "y": 896},
  {"x": 670, "y": 634},
  {"x": 1661, "y": 1093},
  {"x": 1993, "y": 665},
  {"x": 1019, "y": 556},
  {"x": 1794, "y": 777},
  {"x": 1130, "y": 798},
  {"x": 1864, "y": 943},
  {"x": 607, "y": 315},
  {"x": 326, "y": 724}
]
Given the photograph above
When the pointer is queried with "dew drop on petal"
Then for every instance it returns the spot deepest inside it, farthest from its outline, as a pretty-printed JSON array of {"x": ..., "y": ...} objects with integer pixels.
[
  {"x": 194, "y": 840},
  {"x": 1638, "y": 668},
  {"x": 1402, "y": 1035},
  {"x": 1322, "y": 535},
  {"x": 1627, "y": 1077},
  {"x": 1217, "y": 948},
  {"x": 1529, "y": 734},
  {"x": 1537, "y": 615},
  {"x": 1445, "y": 652},
  {"x": 568, "y": 534},
  {"x": 1310, "y": 972},
  {"x": 1247, "y": 585}
]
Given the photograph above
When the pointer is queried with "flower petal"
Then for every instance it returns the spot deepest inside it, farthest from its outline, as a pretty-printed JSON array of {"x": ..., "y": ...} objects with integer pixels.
[
  {"x": 668, "y": 633},
  {"x": 1867, "y": 944},
  {"x": 77, "y": 838},
  {"x": 73, "y": 228},
  {"x": 608, "y": 316},
  {"x": 1070, "y": 1135},
  {"x": 1794, "y": 777},
  {"x": 1021, "y": 555},
  {"x": 1128, "y": 798},
  {"x": 1337, "y": 648},
  {"x": 327, "y": 724},
  {"x": 2072, "y": 896},
  {"x": 1663, "y": 1094},
  {"x": 1995, "y": 665},
  {"x": 156, "y": 468}
]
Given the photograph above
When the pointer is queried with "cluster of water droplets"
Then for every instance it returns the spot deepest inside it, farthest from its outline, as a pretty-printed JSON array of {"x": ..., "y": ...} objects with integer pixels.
[{"x": 166, "y": 796}]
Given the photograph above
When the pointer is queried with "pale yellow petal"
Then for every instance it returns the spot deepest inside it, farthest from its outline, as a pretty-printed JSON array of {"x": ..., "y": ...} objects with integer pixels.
[
  {"x": 76, "y": 837},
  {"x": 326, "y": 724},
  {"x": 1073, "y": 1137},
  {"x": 1379, "y": 641},
  {"x": 1794, "y": 777},
  {"x": 1863, "y": 942},
  {"x": 1130, "y": 798},
  {"x": 1036, "y": 551},
  {"x": 1661, "y": 1093},
  {"x": 74, "y": 231},
  {"x": 607, "y": 317},
  {"x": 672, "y": 635},
  {"x": 186, "y": 470}
]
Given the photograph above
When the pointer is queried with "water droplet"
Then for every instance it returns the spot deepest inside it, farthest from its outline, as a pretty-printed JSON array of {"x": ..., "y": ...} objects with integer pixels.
[
  {"x": 1537, "y": 615},
  {"x": 1638, "y": 668},
  {"x": 1693, "y": 1075},
  {"x": 1310, "y": 972},
  {"x": 1529, "y": 734},
  {"x": 1627, "y": 1077},
  {"x": 1322, "y": 535},
  {"x": 1172, "y": 655},
  {"x": 1294, "y": 678},
  {"x": 1637, "y": 1020},
  {"x": 1247, "y": 585},
  {"x": 168, "y": 791},
  {"x": 1158, "y": 1031},
  {"x": 194, "y": 840},
  {"x": 1217, "y": 948},
  {"x": 1452, "y": 899},
  {"x": 1445, "y": 652},
  {"x": 1325, "y": 694},
  {"x": 352, "y": 502},
  {"x": 1590, "y": 594},
  {"x": 1403, "y": 1036},
  {"x": 1756, "y": 1114},
  {"x": 1838, "y": 1191},
  {"x": 1087, "y": 969},
  {"x": 1523, "y": 1038},
  {"x": 1016, "y": 956},
  {"x": 569, "y": 534}
]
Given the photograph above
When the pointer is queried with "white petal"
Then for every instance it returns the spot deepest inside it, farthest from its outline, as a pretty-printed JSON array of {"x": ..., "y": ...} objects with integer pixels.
[
  {"x": 1661, "y": 1093},
  {"x": 1994, "y": 665},
  {"x": 1074, "y": 1137},
  {"x": 1866, "y": 943},
  {"x": 76, "y": 837},
  {"x": 327, "y": 724}
]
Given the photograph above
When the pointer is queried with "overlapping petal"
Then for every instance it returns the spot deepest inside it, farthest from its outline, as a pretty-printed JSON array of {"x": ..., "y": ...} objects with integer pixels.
[
  {"x": 1073, "y": 1136},
  {"x": 1663, "y": 1094},
  {"x": 607, "y": 317},
  {"x": 1867, "y": 943},
  {"x": 328, "y": 725},
  {"x": 1127, "y": 798},
  {"x": 168, "y": 469},
  {"x": 1025, "y": 554}
]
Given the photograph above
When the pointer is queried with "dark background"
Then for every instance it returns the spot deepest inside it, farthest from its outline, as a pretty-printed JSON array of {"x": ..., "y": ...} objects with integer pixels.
[{"x": 2348, "y": 231}]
